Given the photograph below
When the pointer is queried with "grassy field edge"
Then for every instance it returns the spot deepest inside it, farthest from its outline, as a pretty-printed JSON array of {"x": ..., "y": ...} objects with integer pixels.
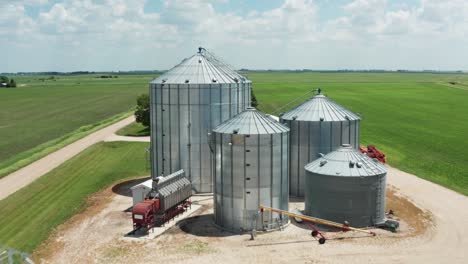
[
  {"x": 27, "y": 157},
  {"x": 134, "y": 130},
  {"x": 32, "y": 214}
]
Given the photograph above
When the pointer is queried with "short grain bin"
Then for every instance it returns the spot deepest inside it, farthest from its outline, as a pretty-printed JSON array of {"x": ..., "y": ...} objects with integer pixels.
[
  {"x": 319, "y": 125},
  {"x": 250, "y": 157},
  {"x": 346, "y": 185}
]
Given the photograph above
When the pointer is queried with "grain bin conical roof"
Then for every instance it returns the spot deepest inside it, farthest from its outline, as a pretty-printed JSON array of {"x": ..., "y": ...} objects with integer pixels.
[
  {"x": 320, "y": 108},
  {"x": 346, "y": 162},
  {"x": 251, "y": 122},
  {"x": 201, "y": 68}
]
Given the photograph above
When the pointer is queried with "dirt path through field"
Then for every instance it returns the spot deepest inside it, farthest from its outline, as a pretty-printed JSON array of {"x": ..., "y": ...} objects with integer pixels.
[
  {"x": 433, "y": 230},
  {"x": 28, "y": 174}
]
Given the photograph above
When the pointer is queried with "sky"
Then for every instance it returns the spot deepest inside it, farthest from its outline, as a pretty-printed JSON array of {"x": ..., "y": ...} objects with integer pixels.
[{"x": 113, "y": 35}]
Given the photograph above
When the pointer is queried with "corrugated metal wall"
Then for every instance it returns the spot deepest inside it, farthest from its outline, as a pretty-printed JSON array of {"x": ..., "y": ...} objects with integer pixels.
[
  {"x": 183, "y": 115},
  {"x": 309, "y": 138}
]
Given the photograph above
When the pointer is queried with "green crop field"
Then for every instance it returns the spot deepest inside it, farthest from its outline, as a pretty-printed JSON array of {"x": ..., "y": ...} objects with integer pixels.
[
  {"x": 44, "y": 108},
  {"x": 419, "y": 120},
  {"x": 29, "y": 215}
]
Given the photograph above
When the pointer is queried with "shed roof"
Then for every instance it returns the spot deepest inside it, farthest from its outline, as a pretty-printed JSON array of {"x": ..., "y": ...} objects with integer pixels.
[
  {"x": 346, "y": 162},
  {"x": 145, "y": 184},
  {"x": 201, "y": 68},
  {"x": 250, "y": 122},
  {"x": 320, "y": 108}
]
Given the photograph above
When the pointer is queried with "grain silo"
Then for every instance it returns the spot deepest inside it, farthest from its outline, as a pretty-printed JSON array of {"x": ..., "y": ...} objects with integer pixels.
[
  {"x": 346, "y": 185},
  {"x": 318, "y": 125},
  {"x": 250, "y": 155},
  {"x": 187, "y": 102}
]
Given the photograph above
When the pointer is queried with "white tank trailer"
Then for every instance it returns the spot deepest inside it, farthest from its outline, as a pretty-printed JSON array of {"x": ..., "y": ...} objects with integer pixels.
[
  {"x": 346, "y": 185},
  {"x": 319, "y": 125},
  {"x": 250, "y": 156},
  {"x": 187, "y": 102}
]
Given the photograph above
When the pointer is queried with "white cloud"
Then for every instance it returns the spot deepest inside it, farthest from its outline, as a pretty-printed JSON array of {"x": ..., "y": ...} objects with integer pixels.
[{"x": 87, "y": 34}]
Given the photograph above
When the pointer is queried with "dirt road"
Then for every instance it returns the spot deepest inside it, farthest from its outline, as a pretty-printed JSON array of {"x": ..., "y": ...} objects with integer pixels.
[
  {"x": 28, "y": 174},
  {"x": 444, "y": 238}
]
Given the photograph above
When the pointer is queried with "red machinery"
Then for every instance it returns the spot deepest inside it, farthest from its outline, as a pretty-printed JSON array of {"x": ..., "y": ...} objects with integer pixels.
[
  {"x": 143, "y": 213},
  {"x": 170, "y": 196},
  {"x": 149, "y": 213},
  {"x": 373, "y": 152}
]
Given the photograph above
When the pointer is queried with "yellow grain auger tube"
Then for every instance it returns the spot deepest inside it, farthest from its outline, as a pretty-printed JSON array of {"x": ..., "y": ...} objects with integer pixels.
[{"x": 343, "y": 227}]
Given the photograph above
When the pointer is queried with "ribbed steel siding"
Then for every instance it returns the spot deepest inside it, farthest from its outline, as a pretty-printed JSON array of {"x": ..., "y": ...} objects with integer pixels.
[
  {"x": 174, "y": 190},
  {"x": 358, "y": 200},
  {"x": 309, "y": 138},
  {"x": 253, "y": 170},
  {"x": 182, "y": 116}
]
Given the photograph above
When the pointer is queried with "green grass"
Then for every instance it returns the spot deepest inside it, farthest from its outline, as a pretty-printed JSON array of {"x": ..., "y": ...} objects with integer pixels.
[
  {"x": 29, "y": 215},
  {"x": 23, "y": 159},
  {"x": 39, "y": 111},
  {"x": 134, "y": 130},
  {"x": 419, "y": 120}
]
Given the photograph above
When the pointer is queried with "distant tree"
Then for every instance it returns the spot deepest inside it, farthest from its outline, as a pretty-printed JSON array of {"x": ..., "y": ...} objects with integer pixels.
[
  {"x": 12, "y": 83},
  {"x": 142, "y": 113},
  {"x": 253, "y": 99},
  {"x": 4, "y": 79}
]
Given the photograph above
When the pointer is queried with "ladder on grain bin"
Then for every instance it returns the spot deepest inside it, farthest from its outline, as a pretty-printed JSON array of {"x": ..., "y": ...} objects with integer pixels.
[{"x": 308, "y": 219}]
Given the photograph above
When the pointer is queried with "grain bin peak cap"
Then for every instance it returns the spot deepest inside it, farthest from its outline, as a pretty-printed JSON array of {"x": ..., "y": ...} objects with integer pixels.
[
  {"x": 201, "y": 68},
  {"x": 346, "y": 162},
  {"x": 320, "y": 108},
  {"x": 251, "y": 122}
]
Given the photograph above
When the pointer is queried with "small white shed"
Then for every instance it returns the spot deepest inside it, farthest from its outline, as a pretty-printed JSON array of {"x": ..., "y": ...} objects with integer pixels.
[{"x": 140, "y": 191}]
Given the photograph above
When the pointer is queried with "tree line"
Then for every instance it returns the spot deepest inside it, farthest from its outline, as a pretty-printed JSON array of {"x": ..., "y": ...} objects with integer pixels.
[{"x": 5, "y": 82}]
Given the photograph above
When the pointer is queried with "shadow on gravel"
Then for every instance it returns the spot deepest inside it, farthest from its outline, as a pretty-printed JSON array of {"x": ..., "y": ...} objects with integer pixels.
[
  {"x": 203, "y": 225},
  {"x": 123, "y": 188}
]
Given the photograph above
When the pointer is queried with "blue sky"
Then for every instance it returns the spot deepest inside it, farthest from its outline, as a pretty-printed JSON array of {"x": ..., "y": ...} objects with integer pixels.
[{"x": 101, "y": 35}]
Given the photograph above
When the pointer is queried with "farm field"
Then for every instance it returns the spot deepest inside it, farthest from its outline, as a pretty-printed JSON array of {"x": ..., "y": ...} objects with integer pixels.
[
  {"x": 43, "y": 108},
  {"x": 29, "y": 215},
  {"x": 419, "y": 120}
]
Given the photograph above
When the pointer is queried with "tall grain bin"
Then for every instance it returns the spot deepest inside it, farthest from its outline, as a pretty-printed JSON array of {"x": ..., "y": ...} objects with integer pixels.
[
  {"x": 250, "y": 154},
  {"x": 187, "y": 102},
  {"x": 318, "y": 125},
  {"x": 346, "y": 185}
]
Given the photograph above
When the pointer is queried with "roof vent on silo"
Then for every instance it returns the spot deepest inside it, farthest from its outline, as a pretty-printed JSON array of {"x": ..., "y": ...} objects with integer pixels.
[
  {"x": 197, "y": 68},
  {"x": 251, "y": 122},
  {"x": 320, "y": 108}
]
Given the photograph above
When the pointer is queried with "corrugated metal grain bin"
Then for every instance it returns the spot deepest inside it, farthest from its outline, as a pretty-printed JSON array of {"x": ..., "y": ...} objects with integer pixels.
[
  {"x": 318, "y": 125},
  {"x": 187, "y": 102},
  {"x": 250, "y": 153},
  {"x": 346, "y": 185}
]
